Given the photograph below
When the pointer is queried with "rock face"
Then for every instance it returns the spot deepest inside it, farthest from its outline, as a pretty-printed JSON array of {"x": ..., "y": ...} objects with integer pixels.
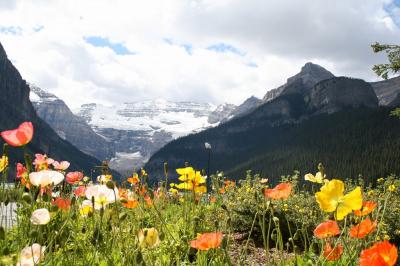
[
  {"x": 69, "y": 126},
  {"x": 335, "y": 94},
  {"x": 309, "y": 75},
  {"x": 16, "y": 107},
  {"x": 387, "y": 91},
  {"x": 310, "y": 94}
]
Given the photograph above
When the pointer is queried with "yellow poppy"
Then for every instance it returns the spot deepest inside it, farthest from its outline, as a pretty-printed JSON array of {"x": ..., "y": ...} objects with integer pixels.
[
  {"x": 318, "y": 178},
  {"x": 148, "y": 238},
  {"x": 3, "y": 163},
  {"x": 332, "y": 199},
  {"x": 186, "y": 173}
]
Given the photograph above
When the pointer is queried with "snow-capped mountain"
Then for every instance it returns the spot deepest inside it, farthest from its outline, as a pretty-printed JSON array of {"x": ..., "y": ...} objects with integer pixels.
[{"x": 138, "y": 129}]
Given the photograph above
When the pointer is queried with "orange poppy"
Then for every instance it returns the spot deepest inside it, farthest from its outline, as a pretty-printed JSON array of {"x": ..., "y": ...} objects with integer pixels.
[
  {"x": 142, "y": 190},
  {"x": 229, "y": 183},
  {"x": 281, "y": 191},
  {"x": 148, "y": 200},
  {"x": 367, "y": 208},
  {"x": 123, "y": 193},
  {"x": 213, "y": 199},
  {"x": 382, "y": 253},
  {"x": 327, "y": 229},
  {"x": 131, "y": 204},
  {"x": 134, "y": 179},
  {"x": 19, "y": 136},
  {"x": 221, "y": 190},
  {"x": 362, "y": 229},
  {"x": 332, "y": 254},
  {"x": 62, "y": 204},
  {"x": 207, "y": 241}
]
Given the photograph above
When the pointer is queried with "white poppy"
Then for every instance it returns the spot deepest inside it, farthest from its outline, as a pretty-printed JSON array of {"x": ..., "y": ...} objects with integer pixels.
[
  {"x": 31, "y": 255},
  {"x": 45, "y": 177},
  {"x": 40, "y": 216},
  {"x": 102, "y": 195}
]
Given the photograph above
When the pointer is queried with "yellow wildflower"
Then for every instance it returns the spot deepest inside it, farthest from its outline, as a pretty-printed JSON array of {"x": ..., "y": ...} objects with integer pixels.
[
  {"x": 318, "y": 178},
  {"x": 3, "y": 163},
  {"x": 381, "y": 180},
  {"x": 173, "y": 191},
  {"x": 148, "y": 238},
  {"x": 392, "y": 188},
  {"x": 332, "y": 199}
]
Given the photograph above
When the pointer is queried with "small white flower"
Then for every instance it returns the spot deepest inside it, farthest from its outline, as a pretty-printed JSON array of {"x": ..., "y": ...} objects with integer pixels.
[
  {"x": 40, "y": 216},
  {"x": 207, "y": 145},
  {"x": 31, "y": 255},
  {"x": 45, "y": 177}
]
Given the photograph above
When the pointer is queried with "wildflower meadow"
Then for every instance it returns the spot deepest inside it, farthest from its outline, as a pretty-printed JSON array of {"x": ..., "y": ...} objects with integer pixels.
[{"x": 64, "y": 217}]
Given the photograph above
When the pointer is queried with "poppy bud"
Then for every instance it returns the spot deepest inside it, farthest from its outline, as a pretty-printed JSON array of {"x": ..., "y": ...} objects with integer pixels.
[
  {"x": 27, "y": 197},
  {"x": 110, "y": 185},
  {"x": 122, "y": 216},
  {"x": 2, "y": 233},
  {"x": 166, "y": 169}
]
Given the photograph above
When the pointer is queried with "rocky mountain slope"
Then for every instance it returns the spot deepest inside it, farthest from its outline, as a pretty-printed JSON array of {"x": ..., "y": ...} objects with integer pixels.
[
  {"x": 69, "y": 126},
  {"x": 15, "y": 107},
  {"x": 275, "y": 135},
  {"x": 387, "y": 91},
  {"x": 309, "y": 75}
]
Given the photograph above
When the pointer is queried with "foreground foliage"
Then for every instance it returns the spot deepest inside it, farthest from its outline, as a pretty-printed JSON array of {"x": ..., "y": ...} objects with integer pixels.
[{"x": 65, "y": 218}]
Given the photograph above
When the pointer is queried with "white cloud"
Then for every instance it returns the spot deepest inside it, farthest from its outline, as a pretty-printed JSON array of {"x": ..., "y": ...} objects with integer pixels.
[{"x": 276, "y": 36}]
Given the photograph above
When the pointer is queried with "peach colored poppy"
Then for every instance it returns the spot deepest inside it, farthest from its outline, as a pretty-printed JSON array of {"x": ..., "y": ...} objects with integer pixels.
[
  {"x": 74, "y": 177},
  {"x": 327, "y": 229},
  {"x": 19, "y": 136},
  {"x": 80, "y": 191},
  {"x": 207, "y": 241},
  {"x": 281, "y": 191},
  {"x": 367, "y": 208},
  {"x": 362, "y": 229},
  {"x": 380, "y": 254}
]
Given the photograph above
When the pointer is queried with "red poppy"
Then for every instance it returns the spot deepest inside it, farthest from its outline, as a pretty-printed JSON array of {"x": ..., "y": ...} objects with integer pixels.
[
  {"x": 332, "y": 254},
  {"x": 281, "y": 191},
  {"x": 22, "y": 175},
  {"x": 130, "y": 204},
  {"x": 74, "y": 177},
  {"x": 19, "y": 136},
  {"x": 63, "y": 204},
  {"x": 80, "y": 191},
  {"x": 327, "y": 229},
  {"x": 367, "y": 208},
  {"x": 362, "y": 229},
  {"x": 207, "y": 241},
  {"x": 380, "y": 254}
]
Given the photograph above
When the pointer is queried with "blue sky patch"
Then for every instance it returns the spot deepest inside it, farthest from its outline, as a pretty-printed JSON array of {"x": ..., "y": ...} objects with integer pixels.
[
  {"x": 225, "y": 48},
  {"x": 118, "y": 48},
  {"x": 11, "y": 30},
  {"x": 393, "y": 9},
  {"x": 188, "y": 47},
  {"x": 38, "y": 28}
]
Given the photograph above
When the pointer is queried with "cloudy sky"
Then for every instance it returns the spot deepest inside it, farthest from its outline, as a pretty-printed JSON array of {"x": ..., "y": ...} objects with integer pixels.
[{"x": 214, "y": 51}]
